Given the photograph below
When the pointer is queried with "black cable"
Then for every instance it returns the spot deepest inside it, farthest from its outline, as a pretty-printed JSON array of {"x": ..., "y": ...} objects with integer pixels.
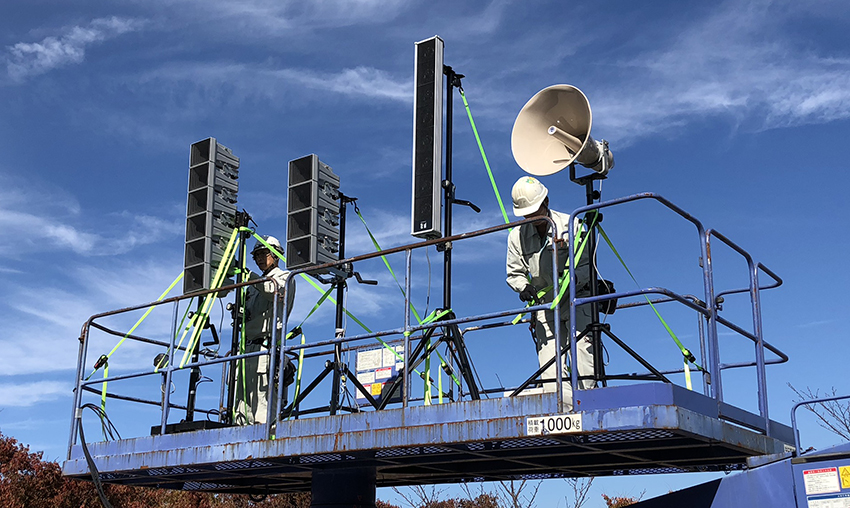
[
  {"x": 95, "y": 476},
  {"x": 109, "y": 429}
]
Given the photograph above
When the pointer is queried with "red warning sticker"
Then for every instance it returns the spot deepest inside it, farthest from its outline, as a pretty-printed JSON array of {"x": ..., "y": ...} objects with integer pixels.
[{"x": 821, "y": 481}]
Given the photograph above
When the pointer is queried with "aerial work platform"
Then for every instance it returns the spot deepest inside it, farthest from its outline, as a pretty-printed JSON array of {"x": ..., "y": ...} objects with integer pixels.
[
  {"x": 384, "y": 432},
  {"x": 637, "y": 429}
]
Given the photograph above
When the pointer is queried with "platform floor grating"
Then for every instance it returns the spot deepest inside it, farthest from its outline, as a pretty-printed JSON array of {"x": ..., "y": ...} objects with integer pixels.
[{"x": 458, "y": 442}]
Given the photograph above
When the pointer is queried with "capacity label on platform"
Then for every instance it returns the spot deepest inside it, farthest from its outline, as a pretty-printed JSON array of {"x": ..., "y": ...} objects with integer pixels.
[
  {"x": 558, "y": 424},
  {"x": 821, "y": 481},
  {"x": 833, "y": 501}
]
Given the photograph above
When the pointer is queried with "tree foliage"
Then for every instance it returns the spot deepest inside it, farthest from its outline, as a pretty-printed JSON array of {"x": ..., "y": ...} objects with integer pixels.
[
  {"x": 619, "y": 502},
  {"x": 28, "y": 481}
]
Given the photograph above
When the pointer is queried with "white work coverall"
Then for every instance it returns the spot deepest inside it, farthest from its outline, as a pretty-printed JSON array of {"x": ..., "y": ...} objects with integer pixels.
[
  {"x": 529, "y": 261},
  {"x": 252, "y": 389}
]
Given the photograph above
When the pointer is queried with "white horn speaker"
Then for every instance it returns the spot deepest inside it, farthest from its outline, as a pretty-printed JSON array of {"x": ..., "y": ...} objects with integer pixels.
[{"x": 553, "y": 130}]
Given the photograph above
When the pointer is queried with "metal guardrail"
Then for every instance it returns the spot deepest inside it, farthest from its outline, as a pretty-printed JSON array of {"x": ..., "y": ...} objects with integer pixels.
[
  {"x": 706, "y": 310},
  {"x": 711, "y": 311},
  {"x": 807, "y": 403}
]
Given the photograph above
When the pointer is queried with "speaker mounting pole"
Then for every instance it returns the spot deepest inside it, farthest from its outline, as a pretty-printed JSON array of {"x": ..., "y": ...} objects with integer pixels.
[
  {"x": 341, "y": 284},
  {"x": 237, "y": 310},
  {"x": 452, "y": 82},
  {"x": 591, "y": 219}
]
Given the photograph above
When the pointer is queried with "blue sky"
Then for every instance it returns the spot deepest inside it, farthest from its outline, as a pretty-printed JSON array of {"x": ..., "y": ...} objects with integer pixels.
[{"x": 736, "y": 111}]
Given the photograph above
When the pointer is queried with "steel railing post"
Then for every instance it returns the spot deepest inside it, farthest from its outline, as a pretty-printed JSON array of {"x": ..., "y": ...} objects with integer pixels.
[
  {"x": 76, "y": 413},
  {"x": 169, "y": 370},
  {"x": 407, "y": 286}
]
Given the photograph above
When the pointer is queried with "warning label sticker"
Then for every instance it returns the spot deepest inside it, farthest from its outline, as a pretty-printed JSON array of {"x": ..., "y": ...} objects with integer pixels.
[
  {"x": 821, "y": 481},
  {"x": 844, "y": 471}
]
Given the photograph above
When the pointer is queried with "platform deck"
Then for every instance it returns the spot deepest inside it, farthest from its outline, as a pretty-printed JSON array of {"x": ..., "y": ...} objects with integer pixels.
[{"x": 636, "y": 429}]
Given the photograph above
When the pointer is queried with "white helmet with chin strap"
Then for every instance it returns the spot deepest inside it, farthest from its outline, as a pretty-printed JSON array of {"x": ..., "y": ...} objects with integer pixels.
[
  {"x": 528, "y": 194},
  {"x": 272, "y": 241}
]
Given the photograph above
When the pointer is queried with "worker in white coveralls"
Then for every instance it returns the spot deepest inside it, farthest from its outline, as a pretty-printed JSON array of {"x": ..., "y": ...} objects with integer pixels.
[
  {"x": 529, "y": 273},
  {"x": 252, "y": 376}
]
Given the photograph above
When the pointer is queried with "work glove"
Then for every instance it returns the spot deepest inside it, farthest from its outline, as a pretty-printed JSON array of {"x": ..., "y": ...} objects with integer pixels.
[{"x": 528, "y": 294}]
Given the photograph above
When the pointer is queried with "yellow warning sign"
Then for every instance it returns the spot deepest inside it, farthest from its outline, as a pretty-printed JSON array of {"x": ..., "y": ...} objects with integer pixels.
[
  {"x": 844, "y": 471},
  {"x": 376, "y": 390}
]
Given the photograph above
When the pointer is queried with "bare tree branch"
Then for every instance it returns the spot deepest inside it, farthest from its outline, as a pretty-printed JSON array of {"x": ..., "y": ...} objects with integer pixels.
[
  {"x": 420, "y": 495},
  {"x": 833, "y": 416},
  {"x": 519, "y": 493},
  {"x": 580, "y": 488}
]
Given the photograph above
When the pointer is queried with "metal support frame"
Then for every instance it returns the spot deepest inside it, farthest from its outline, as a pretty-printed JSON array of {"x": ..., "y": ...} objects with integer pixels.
[
  {"x": 340, "y": 282},
  {"x": 336, "y": 367},
  {"x": 591, "y": 219},
  {"x": 451, "y": 334},
  {"x": 237, "y": 312},
  {"x": 705, "y": 309},
  {"x": 457, "y": 350},
  {"x": 709, "y": 308}
]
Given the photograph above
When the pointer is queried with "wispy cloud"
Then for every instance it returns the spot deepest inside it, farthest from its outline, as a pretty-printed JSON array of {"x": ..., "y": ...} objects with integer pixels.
[
  {"x": 264, "y": 18},
  {"x": 360, "y": 81},
  {"x": 46, "y": 219},
  {"x": 26, "y": 59},
  {"x": 43, "y": 322},
  {"x": 266, "y": 82},
  {"x": 29, "y": 394},
  {"x": 741, "y": 63}
]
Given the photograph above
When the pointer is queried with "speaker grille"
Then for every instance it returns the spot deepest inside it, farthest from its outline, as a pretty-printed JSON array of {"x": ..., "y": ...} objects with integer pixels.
[{"x": 427, "y": 139}]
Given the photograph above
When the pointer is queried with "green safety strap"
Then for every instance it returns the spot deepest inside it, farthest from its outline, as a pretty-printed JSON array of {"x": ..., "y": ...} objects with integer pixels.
[
  {"x": 484, "y": 156},
  {"x": 304, "y": 276},
  {"x": 386, "y": 262},
  {"x": 564, "y": 281},
  {"x": 139, "y": 322},
  {"x": 308, "y": 279},
  {"x": 440, "y": 383},
  {"x": 330, "y": 298},
  {"x": 436, "y": 316},
  {"x": 431, "y": 317},
  {"x": 427, "y": 379},
  {"x": 689, "y": 357},
  {"x": 242, "y": 342},
  {"x": 321, "y": 300},
  {"x": 201, "y": 315},
  {"x": 106, "y": 361},
  {"x": 103, "y": 390},
  {"x": 162, "y": 363}
]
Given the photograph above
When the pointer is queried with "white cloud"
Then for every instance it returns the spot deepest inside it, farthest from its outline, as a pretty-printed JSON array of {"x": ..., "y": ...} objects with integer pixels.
[
  {"x": 360, "y": 81},
  {"x": 30, "y": 394},
  {"x": 46, "y": 218},
  {"x": 264, "y": 82},
  {"x": 44, "y": 321},
  {"x": 279, "y": 17},
  {"x": 26, "y": 59},
  {"x": 740, "y": 63}
]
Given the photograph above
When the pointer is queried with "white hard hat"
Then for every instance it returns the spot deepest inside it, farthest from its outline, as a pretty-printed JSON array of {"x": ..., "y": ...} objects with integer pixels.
[
  {"x": 272, "y": 241},
  {"x": 528, "y": 194}
]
